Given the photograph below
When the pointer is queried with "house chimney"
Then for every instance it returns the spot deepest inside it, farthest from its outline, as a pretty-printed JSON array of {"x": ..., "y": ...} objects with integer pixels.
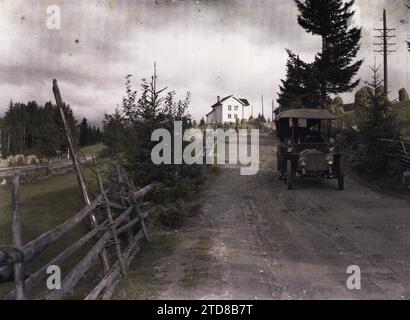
[{"x": 218, "y": 99}]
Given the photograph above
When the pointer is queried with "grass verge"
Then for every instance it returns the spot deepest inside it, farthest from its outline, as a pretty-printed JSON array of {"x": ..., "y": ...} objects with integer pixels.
[
  {"x": 197, "y": 271},
  {"x": 381, "y": 186},
  {"x": 144, "y": 280},
  {"x": 43, "y": 206}
]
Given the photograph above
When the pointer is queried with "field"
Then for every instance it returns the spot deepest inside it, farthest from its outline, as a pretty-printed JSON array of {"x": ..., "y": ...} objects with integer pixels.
[
  {"x": 44, "y": 206},
  {"x": 403, "y": 115},
  {"x": 403, "y": 110}
]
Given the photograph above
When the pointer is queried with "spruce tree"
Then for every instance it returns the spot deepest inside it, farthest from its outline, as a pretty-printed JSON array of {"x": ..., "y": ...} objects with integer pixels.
[
  {"x": 84, "y": 133},
  {"x": 334, "y": 68},
  {"x": 375, "y": 123},
  {"x": 298, "y": 90}
]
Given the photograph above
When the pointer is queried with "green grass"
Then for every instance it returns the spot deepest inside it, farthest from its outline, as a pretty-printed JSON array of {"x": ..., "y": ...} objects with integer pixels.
[
  {"x": 197, "y": 271},
  {"x": 44, "y": 206},
  {"x": 52, "y": 201},
  {"x": 96, "y": 149},
  {"x": 403, "y": 110},
  {"x": 381, "y": 186},
  {"x": 403, "y": 115},
  {"x": 143, "y": 280}
]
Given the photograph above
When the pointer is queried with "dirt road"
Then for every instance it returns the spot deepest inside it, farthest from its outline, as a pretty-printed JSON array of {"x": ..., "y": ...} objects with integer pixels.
[{"x": 254, "y": 239}]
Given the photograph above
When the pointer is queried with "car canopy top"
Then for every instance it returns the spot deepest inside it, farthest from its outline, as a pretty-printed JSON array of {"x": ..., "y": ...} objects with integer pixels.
[{"x": 305, "y": 113}]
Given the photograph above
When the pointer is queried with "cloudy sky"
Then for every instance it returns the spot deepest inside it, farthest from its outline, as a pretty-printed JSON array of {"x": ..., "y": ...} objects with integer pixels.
[{"x": 213, "y": 47}]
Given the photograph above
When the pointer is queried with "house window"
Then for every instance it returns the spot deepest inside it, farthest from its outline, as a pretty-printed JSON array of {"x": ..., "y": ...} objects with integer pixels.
[
  {"x": 229, "y": 116},
  {"x": 236, "y": 116},
  {"x": 236, "y": 108},
  {"x": 229, "y": 108}
]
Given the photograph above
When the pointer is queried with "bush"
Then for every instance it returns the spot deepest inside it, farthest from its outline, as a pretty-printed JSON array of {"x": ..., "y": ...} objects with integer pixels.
[
  {"x": 375, "y": 122},
  {"x": 128, "y": 133}
]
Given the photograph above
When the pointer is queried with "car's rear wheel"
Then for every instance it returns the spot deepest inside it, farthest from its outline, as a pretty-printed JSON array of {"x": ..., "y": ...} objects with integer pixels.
[
  {"x": 340, "y": 175},
  {"x": 289, "y": 174}
]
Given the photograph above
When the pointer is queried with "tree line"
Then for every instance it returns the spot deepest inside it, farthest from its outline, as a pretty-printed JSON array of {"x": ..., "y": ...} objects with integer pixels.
[{"x": 30, "y": 128}]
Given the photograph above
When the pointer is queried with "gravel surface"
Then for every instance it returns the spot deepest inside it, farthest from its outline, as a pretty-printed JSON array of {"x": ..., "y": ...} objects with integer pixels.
[{"x": 254, "y": 239}]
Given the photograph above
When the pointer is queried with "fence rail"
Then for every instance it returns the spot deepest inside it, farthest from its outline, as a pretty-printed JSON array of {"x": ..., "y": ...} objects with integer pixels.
[
  {"x": 6, "y": 172},
  {"x": 105, "y": 235},
  {"x": 108, "y": 234},
  {"x": 398, "y": 149}
]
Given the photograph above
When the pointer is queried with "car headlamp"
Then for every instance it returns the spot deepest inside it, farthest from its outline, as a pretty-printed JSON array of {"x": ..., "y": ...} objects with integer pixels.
[
  {"x": 289, "y": 145},
  {"x": 330, "y": 160},
  {"x": 302, "y": 162}
]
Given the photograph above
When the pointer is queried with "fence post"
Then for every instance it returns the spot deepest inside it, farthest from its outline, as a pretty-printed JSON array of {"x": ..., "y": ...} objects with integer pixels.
[
  {"x": 136, "y": 206},
  {"x": 122, "y": 193},
  {"x": 110, "y": 218},
  {"x": 80, "y": 178},
  {"x": 17, "y": 241}
]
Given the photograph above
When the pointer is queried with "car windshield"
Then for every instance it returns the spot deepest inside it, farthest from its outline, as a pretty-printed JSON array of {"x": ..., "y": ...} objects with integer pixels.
[
  {"x": 311, "y": 134},
  {"x": 304, "y": 130}
]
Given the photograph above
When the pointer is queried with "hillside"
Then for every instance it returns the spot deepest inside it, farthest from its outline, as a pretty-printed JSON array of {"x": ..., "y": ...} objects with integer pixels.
[{"x": 403, "y": 112}]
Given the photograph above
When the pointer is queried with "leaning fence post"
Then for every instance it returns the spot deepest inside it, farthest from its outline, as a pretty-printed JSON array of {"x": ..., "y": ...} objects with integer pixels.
[
  {"x": 110, "y": 218},
  {"x": 122, "y": 192},
  {"x": 80, "y": 178},
  {"x": 17, "y": 241},
  {"x": 136, "y": 206}
]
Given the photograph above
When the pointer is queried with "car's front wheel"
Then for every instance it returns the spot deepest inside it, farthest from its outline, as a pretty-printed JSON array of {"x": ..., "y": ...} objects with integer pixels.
[{"x": 289, "y": 174}]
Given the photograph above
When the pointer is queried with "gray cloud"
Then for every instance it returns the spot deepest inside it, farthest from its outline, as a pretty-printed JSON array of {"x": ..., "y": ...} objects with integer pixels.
[{"x": 207, "y": 47}]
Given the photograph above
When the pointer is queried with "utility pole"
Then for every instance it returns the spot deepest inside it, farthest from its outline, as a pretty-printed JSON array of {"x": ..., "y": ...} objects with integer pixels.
[
  {"x": 384, "y": 48},
  {"x": 1, "y": 145},
  {"x": 273, "y": 109}
]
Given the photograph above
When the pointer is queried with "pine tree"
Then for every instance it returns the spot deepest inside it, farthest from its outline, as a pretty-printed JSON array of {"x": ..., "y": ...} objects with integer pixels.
[
  {"x": 114, "y": 131},
  {"x": 150, "y": 110},
  {"x": 84, "y": 133},
  {"x": 298, "y": 90},
  {"x": 375, "y": 123},
  {"x": 334, "y": 67}
]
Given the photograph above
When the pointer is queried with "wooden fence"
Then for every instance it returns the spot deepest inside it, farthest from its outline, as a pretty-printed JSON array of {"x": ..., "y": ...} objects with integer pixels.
[
  {"x": 116, "y": 230},
  {"x": 398, "y": 149},
  {"x": 121, "y": 229}
]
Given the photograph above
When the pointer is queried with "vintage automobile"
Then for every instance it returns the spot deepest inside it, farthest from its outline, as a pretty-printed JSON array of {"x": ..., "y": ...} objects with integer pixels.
[{"x": 306, "y": 148}]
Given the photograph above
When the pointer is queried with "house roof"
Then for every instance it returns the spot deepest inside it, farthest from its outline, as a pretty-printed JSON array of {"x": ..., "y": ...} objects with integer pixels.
[
  {"x": 244, "y": 102},
  {"x": 220, "y": 101}
]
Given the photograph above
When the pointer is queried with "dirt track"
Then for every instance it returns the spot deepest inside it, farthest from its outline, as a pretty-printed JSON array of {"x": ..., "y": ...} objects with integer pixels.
[{"x": 256, "y": 240}]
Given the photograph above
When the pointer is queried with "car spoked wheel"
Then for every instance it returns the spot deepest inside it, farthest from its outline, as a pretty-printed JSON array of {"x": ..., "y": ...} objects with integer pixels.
[
  {"x": 289, "y": 174},
  {"x": 340, "y": 175}
]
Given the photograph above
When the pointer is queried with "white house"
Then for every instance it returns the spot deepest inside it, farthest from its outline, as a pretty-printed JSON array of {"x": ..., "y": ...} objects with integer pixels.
[{"x": 229, "y": 109}]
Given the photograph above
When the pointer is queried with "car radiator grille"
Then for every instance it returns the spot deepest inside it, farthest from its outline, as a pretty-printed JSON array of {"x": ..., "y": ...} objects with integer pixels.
[{"x": 315, "y": 161}]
